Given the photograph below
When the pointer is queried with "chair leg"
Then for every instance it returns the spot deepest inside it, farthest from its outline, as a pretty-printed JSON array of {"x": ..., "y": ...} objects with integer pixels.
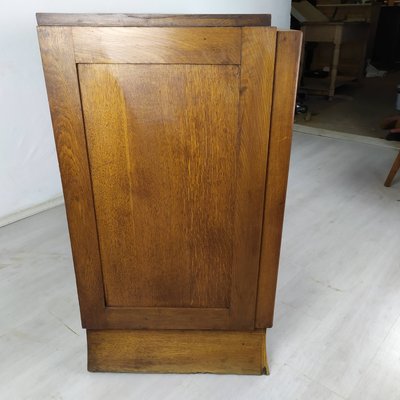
[{"x": 393, "y": 171}]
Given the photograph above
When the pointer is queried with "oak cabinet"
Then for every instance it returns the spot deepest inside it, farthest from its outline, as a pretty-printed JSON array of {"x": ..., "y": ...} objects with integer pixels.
[{"x": 173, "y": 139}]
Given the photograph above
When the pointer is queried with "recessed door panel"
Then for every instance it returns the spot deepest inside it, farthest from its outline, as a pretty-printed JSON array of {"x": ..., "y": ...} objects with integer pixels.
[{"x": 162, "y": 143}]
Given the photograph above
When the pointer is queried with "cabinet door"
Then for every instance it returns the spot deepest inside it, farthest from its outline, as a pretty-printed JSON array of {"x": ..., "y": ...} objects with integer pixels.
[{"x": 162, "y": 138}]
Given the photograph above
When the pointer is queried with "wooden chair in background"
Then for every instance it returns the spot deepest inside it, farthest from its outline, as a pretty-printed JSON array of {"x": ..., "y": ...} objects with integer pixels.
[
  {"x": 393, "y": 125},
  {"x": 393, "y": 171}
]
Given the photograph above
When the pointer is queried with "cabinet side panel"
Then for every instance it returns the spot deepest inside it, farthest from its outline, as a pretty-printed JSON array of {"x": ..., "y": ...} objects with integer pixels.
[
  {"x": 285, "y": 83},
  {"x": 63, "y": 94}
]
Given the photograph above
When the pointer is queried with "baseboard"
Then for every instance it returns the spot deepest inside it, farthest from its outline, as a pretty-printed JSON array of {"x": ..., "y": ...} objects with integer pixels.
[
  {"x": 28, "y": 212},
  {"x": 346, "y": 136},
  {"x": 177, "y": 351}
]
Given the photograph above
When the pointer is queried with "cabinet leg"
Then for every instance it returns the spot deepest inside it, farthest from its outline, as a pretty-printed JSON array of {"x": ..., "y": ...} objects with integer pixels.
[{"x": 186, "y": 351}]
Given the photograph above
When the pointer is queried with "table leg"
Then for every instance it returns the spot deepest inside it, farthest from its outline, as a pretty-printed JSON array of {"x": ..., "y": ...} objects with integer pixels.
[{"x": 335, "y": 61}]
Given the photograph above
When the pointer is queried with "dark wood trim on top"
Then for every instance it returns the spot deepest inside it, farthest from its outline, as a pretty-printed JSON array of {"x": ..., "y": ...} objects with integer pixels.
[{"x": 159, "y": 20}]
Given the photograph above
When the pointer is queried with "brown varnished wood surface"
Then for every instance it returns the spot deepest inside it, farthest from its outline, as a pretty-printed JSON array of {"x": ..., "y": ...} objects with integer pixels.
[
  {"x": 153, "y": 20},
  {"x": 63, "y": 94},
  {"x": 168, "y": 175},
  {"x": 164, "y": 318},
  {"x": 177, "y": 351},
  {"x": 285, "y": 83},
  {"x": 163, "y": 180},
  {"x": 157, "y": 45},
  {"x": 257, "y": 68},
  {"x": 249, "y": 165}
]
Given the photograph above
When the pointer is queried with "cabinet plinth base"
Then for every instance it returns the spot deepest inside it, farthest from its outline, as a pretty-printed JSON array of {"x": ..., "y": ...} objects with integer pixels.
[{"x": 177, "y": 351}]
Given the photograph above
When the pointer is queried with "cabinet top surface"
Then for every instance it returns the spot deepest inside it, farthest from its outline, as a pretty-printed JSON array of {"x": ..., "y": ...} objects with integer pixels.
[{"x": 153, "y": 20}]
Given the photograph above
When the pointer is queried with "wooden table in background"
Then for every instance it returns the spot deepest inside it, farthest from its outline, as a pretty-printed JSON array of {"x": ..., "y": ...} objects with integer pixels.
[{"x": 336, "y": 33}]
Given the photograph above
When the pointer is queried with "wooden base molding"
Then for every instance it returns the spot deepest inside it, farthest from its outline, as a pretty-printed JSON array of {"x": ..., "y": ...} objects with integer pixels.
[{"x": 177, "y": 351}]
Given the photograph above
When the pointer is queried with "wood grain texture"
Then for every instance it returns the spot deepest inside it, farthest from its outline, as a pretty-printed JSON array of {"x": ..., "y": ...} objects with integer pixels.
[
  {"x": 164, "y": 318},
  {"x": 177, "y": 351},
  {"x": 250, "y": 148},
  {"x": 286, "y": 73},
  {"x": 153, "y": 20},
  {"x": 63, "y": 94},
  {"x": 165, "y": 194},
  {"x": 161, "y": 142},
  {"x": 257, "y": 70},
  {"x": 157, "y": 45}
]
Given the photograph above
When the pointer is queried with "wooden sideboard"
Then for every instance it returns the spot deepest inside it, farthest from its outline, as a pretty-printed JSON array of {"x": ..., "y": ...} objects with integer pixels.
[{"x": 173, "y": 138}]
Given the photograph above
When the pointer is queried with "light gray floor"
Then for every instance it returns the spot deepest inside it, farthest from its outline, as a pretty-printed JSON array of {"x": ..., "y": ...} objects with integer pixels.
[{"x": 337, "y": 326}]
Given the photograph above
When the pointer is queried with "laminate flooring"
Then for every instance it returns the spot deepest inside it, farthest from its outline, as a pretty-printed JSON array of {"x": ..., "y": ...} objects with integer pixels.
[{"x": 337, "y": 323}]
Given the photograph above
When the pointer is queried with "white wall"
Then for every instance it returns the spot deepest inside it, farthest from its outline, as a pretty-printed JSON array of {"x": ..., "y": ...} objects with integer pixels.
[{"x": 28, "y": 166}]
